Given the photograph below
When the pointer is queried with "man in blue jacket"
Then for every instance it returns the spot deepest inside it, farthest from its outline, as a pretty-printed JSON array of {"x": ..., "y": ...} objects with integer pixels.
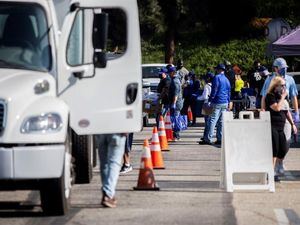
[{"x": 220, "y": 99}]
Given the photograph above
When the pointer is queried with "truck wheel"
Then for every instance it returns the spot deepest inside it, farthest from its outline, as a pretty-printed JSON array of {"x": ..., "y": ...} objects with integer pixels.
[
  {"x": 146, "y": 121},
  {"x": 95, "y": 151},
  {"x": 82, "y": 151},
  {"x": 55, "y": 193}
]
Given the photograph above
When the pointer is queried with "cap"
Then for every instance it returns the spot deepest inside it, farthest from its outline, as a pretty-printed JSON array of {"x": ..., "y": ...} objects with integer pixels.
[
  {"x": 263, "y": 70},
  {"x": 163, "y": 70},
  {"x": 220, "y": 66},
  {"x": 171, "y": 69},
  {"x": 280, "y": 63},
  {"x": 209, "y": 75}
]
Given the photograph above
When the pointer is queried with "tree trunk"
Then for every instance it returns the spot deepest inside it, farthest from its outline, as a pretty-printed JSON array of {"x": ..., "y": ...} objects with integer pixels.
[
  {"x": 170, "y": 46},
  {"x": 169, "y": 7}
]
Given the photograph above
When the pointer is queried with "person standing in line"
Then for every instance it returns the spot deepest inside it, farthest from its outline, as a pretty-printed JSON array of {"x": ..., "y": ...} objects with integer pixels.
[
  {"x": 163, "y": 90},
  {"x": 204, "y": 97},
  {"x": 187, "y": 95},
  {"x": 280, "y": 69},
  {"x": 111, "y": 150},
  {"x": 175, "y": 97},
  {"x": 182, "y": 72},
  {"x": 220, "y": 100},
  {"x": 230, "y": 74},
  {"x": 127, "y": 167},
  {"x": 274, "y": 102},
  {"x": 195, "y": 95},
  {"x": 256, "y": 77}
]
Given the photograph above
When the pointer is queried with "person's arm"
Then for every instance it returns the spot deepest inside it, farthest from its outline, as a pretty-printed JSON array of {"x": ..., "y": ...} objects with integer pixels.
[
  {"x": 263, "y": 103},
  {"x": 263, "y": 94},
  {"x": 214, "y": 89},
  {"x": 290, "y": 119},
  {"x": 277, "y": 106},
  {"x": 204, "y": 95}
]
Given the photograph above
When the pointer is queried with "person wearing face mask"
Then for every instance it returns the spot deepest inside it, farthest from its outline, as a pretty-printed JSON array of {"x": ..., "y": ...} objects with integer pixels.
[
  {"x": 280, "y": 69},
  {"x": 275, "y": 103}
]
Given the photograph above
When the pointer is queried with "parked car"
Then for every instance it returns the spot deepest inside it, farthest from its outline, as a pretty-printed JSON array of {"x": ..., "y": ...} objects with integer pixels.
[
  {"x": 150, "y": 75},
  {"x": 150, "y": 82}
]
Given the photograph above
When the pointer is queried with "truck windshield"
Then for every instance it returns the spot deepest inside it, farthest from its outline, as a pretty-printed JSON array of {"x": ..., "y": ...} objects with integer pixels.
[{"x": 24, "y": 41}]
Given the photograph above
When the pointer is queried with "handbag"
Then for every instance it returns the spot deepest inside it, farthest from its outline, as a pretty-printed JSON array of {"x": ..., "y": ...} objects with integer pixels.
[
  {"x": 179, "y": 123},
  {"x": 207, "y": 109}
]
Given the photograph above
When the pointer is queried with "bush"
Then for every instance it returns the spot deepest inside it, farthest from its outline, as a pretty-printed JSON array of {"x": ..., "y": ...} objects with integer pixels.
[{"x": 203, "y": 56}]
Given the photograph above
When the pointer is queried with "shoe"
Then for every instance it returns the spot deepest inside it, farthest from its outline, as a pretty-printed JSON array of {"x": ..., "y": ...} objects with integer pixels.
[
  {"x": 126, "y": 169},
  {"x": 217, "y": 142},
  {"x": 108, "y": 202},
  {"x": 204, "y": 143},
  {"x": 280, "y": 168}
]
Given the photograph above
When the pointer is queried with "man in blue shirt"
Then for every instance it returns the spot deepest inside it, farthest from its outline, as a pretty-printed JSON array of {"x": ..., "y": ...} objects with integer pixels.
[{"x": 220, "y": 99}]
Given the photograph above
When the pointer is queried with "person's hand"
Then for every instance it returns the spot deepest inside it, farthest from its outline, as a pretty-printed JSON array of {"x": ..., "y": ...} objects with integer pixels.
[
  {"x": 296, "y": 117},
  {"x": 295, "y": 130},
  {"x": 173, "y": 106}
]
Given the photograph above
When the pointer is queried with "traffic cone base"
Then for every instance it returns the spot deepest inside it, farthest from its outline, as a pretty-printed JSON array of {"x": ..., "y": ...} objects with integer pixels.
[{"x": 146, "y": 179}]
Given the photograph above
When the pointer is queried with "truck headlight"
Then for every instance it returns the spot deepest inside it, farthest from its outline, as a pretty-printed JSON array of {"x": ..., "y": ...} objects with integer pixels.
[{"x": 44, "y": 123}]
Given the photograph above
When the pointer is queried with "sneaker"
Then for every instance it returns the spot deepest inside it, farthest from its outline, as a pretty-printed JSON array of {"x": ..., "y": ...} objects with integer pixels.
[
  {"x": 217, "y": 142},
  {"x": 126, "y": 169},
  {"x": 108, "y": 202},
  {"x": 280, "y": 168},
  {"x": 204, "y": 143}
]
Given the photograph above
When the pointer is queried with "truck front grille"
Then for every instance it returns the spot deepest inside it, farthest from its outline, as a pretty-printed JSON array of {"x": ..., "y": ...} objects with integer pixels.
[{"x": 2, "y": 116}]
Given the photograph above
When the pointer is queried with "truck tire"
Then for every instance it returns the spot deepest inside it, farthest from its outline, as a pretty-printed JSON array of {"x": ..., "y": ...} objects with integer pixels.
[
  {"x": 56, "y": 193},
  {"x": 95, "y": 151},
  {"x": 82, "y": 153}
]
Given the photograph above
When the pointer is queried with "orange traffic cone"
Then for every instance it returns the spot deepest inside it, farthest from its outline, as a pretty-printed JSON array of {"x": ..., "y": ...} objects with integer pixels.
[
  {"x": 169, "y": 131},
  {"x": 162, "y": 135},
  {"x": 146, "y": 179},
  {"x": 190, "y": 115},
  {"x": 157, "y": 159}
]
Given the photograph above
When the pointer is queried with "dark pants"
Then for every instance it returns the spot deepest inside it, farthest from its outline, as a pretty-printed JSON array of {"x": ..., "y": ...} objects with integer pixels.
[{"x": 279, "y": 143}]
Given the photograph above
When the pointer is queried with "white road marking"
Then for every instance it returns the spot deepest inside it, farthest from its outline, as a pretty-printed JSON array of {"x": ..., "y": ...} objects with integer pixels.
[{"x": 281, "y": 217}]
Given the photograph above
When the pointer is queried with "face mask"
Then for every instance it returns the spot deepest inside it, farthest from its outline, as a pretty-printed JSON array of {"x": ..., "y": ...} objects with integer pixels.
[{"x": 282, "y": 72}]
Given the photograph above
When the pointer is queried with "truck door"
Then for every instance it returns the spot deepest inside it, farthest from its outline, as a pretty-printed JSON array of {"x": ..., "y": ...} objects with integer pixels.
[{"x": 108, "y": 99}]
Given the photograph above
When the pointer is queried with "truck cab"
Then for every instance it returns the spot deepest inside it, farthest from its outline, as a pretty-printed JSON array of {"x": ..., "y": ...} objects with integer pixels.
[{"x": 62, "y": 83}]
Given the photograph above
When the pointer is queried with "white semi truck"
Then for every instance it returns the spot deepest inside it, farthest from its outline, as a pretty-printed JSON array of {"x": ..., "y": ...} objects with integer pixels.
[{"x": 60, "y": 85}]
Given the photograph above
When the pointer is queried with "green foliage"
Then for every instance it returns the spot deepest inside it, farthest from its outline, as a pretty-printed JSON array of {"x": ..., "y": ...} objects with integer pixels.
[{"x": 203, "y": 56}]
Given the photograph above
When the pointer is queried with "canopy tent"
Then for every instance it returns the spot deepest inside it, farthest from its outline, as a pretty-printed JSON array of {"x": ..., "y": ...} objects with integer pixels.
[{"x": 287, "y": 45}]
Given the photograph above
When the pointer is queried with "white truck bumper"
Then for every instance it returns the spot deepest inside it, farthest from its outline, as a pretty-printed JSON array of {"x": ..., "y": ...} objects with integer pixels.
[{"x": 31, "y": 162}]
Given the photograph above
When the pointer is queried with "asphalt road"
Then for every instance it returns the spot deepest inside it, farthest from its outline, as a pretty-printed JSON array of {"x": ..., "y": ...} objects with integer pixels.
[{"x": 189, "y": 194}]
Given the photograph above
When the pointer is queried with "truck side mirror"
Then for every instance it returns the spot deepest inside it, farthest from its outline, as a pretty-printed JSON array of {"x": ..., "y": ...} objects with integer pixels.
[{"x": 100, "y": 31}]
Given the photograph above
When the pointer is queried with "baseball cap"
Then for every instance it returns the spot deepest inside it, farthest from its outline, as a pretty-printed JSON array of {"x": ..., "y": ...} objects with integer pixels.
[
  {"x": 163, "y": 70},
  {"x": 280, "y": 63},
  {"x": 171, "y": 69},
  {"x": 220, "y": 66}
]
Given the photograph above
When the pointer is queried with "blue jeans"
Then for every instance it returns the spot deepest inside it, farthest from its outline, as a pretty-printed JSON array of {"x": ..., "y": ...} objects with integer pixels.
[
  {"x": 206, "y": 126},
  {"x": 216, "y": 119},
  {"x": 175, "y": 113},
  {"x": 111, "y": 150}
]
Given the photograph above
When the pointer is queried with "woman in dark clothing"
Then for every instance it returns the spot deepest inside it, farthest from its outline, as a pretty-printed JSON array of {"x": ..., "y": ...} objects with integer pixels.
[{"x": 277, "y": 105}]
